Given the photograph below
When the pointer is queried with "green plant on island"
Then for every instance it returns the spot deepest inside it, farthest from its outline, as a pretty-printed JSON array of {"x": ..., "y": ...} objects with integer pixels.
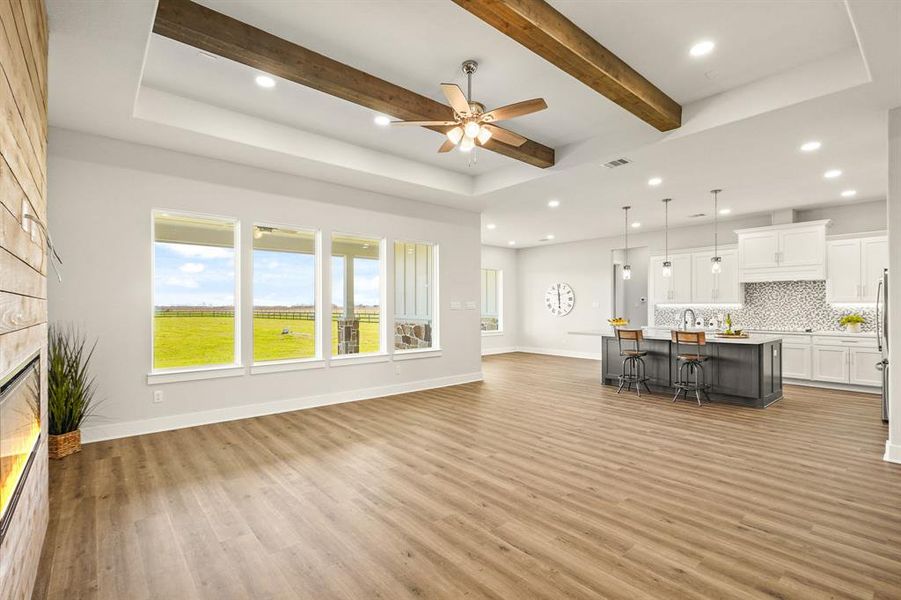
[{"x": 852, "y": 319}]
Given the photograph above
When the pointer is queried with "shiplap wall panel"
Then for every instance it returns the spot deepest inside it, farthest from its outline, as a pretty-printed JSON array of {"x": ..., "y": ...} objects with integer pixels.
[{"x": 23, "y": 262}]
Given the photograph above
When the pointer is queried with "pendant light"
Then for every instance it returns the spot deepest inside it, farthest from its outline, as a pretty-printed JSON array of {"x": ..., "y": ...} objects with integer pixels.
[
  {"x": 667, "y": 270},
  {"x": 627, "y": 268},
  {"x": 716, "y": 263}
]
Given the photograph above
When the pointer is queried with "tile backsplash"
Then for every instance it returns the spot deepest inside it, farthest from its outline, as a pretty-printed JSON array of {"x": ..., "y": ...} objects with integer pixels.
[{"x": 778, "y": 306}]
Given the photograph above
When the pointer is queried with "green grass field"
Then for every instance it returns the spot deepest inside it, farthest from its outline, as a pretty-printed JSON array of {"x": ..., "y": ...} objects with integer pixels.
[{"x": 197, "y": 341}]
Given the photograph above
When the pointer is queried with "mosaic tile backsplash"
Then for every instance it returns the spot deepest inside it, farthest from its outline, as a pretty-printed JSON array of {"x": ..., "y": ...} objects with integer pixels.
[{"x": 777, "y": 306}]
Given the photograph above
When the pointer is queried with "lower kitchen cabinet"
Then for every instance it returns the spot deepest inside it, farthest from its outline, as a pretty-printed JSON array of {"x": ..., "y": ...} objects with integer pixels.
[
  {"x": 863, "y": 369},
  {"x": 831, "y": 363},
  {"x": 796, "y": 363}
]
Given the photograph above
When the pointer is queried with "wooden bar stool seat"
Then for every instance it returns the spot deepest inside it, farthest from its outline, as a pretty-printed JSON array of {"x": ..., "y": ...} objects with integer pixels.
[
  {"x": 633, "y": 363},
  {"x": 690, "y": 377}
]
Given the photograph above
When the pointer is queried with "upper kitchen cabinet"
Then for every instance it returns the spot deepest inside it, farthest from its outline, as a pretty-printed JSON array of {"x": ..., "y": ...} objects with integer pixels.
[
  {"x": 722, "y": 288},
  {"x": 854, "y": 268},
  {"x": 791, "y": 252},
  {"x": 675, "y": 289}
]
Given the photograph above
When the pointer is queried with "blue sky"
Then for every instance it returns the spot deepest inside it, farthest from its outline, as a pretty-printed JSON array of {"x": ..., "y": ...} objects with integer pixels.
[{"x": 189, "y": 275}]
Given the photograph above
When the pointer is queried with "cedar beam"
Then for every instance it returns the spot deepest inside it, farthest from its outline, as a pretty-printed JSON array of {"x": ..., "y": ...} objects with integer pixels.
[
  {"x": 214, "y": 32},
  {"x": 545, "y": 31}
]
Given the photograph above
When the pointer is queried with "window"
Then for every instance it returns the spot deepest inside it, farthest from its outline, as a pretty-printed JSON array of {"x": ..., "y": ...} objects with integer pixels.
[
  {"x": 195, "y": 321},
  {"x": 492, "y": 301},
  {"x": 356, "y": 295},
  {"x": 285, "y": 316},
  {"x": 414, "y": 296}
]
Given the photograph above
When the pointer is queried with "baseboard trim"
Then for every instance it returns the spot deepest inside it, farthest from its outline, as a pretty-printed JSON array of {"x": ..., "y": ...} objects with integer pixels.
[
  {"x": 892, "y": 452},
  {"x": 556, "y": 352},
  {"x": 110, "y": 431},
  {"x": 826, "y": 385},
  {"x": 504, "y": 350}
]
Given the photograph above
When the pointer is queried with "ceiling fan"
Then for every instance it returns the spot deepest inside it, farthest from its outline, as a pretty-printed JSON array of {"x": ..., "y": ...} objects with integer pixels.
[{"x": 472, "y": 124}]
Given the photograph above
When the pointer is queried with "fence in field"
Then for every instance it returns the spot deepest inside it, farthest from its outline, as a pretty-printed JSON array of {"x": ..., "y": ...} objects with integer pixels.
[{"x": 292, "y": 315}]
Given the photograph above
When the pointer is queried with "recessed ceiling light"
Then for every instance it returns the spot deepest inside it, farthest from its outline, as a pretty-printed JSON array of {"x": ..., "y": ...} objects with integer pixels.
[
  {"x": 382, "y": 120},
  {"x": 549, "y": 236},
  {"x": 832, "y": 173},
  {"x": 725, "y": 211},
  {"x": 491, "y": 226},
  {"x": 702, "y": 48},
  {"x": 849, "y": 193},
  {"x": 810, "y": 146},
  {"x": 655, "y": 181},
  {"x": 264, "y": 81},
  {"x": 554, "y": 203},
  {"x": 636, "y": 224},
  {"x": 511, "y": 243}
]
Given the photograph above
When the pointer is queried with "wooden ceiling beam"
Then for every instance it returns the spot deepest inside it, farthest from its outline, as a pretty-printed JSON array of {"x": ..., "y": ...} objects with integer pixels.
[
  {"x": 214, "y": 32},
  {"x": 545, "y": 31}
]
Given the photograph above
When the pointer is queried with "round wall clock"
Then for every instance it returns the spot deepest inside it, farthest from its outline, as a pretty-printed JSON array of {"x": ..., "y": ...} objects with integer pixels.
[{"x": 559, "y": 299}]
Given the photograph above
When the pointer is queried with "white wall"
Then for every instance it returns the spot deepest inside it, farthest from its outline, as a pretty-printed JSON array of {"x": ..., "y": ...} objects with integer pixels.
[
  {"x": 504, "y": 259},
  {"x": 849, "y": 218},
  {"x": 893, "y": 445},
  {"x": 101, "y": 193}
]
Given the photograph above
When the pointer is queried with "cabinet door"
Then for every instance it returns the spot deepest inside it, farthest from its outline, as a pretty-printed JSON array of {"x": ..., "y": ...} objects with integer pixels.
[
  {"x": 843, "y": 271},
  {"x": 661, "y": 287},
  {"x": 703, "y": 282},
  {"x": 873, "y": 259},
  {"x": 681, "y": 280},
  {"x": 758, "y": 250},
  {"x": 863, "y": 367},
  {"x": 830, "y": 364},
  {"x": 801, "y": 247},
  {"x": 728, "y": 289},
  {"x": 796, "y": 361}
]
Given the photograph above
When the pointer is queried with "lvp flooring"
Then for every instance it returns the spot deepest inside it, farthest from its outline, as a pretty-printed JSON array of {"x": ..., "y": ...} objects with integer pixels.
[{"x": 536, "y": 483}]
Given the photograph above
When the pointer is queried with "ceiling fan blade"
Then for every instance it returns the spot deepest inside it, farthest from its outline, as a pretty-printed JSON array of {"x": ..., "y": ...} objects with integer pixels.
[
  {"x": 526, "y": 107},
  {"x": 456, "y": 98},
  {"x": 505, "y": 135},
  {"x": 447, "y": 146},
  {"x": 426, "y": 123}
]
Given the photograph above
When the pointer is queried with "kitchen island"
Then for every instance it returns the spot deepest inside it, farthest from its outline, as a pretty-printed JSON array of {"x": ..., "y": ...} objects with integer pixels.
[{"x": 745, "y": 371}]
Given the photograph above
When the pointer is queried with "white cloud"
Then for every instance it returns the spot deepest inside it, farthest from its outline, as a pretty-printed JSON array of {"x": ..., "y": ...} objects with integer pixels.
[
  {"x": 207, "y": 252},
  {"x": 192, "y": 267},
  {"x": 183, "y": 282}
]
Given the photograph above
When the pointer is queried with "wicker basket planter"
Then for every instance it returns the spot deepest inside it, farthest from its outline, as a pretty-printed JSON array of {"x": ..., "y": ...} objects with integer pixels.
[{"x": 61, "y": 446}]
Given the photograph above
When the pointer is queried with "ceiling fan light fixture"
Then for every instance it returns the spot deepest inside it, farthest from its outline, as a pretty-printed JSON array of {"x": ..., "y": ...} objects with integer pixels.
[
  {"x": 455, "y": 135},
  {"x": 467, "y": 144},
  {"x": 472, "y": 129},
  {"x": 484, "y": 135}
]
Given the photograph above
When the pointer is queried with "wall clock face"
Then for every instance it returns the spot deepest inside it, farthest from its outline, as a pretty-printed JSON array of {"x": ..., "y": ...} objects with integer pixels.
[{"x": 559, "y": 299}]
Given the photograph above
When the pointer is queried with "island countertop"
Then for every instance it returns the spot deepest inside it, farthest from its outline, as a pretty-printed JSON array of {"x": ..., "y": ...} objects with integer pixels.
[{"x": 659, "y": 333}]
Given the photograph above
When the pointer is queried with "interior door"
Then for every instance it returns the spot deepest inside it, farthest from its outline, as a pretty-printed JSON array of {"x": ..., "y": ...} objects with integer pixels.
[
  {"x": 843, "y": 262},
  {"x": 873, "y": 259}
]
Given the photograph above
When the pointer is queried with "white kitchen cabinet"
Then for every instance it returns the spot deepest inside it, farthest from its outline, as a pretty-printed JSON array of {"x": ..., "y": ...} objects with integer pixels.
[
  {"x": 795, "y": 251},
  {"x": 831, "y": 363},
  {"x": 854, "y": 268},
  {"x": 728, "y": 288},
  {"x": 863, "y": 367},
  {"x": 796, "y": 361},
  {"x": 675, "y": 289},
  {"x": 703, "y": 281},
  {"x": 707, "y": 288}
]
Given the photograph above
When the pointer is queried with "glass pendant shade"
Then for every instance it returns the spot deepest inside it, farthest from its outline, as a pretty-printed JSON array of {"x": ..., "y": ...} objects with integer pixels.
[
  {"x": 472, "y": 129},
  {"x": 484, "y": 135},
  {"x": 667, "y": 270},
  {"x": 466, "y": 145},
  {"x": 716, "y": 265},
  {"x": 627, "y": 271},
  {"x": 455, "y": 135}
]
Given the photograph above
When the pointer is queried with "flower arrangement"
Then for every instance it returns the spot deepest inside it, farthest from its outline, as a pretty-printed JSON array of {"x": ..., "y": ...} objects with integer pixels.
[{"x": 852, "y": 322}]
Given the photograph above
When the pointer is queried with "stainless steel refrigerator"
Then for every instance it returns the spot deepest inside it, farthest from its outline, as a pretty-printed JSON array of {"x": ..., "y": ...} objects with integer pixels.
[{"x": 882, "y": 338}]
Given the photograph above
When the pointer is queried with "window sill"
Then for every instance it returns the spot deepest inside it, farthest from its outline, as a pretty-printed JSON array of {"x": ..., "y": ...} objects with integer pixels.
[
  {"x": 282, "y": 366},
  {"x": 195, "y": 374},
  {"x": 491, "y": 333},
  {"x": 414, "y": 354},
  {"x": 357, "y": 359}
]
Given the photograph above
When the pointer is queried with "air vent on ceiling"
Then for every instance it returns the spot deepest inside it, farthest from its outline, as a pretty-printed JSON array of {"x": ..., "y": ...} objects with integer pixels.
[
  {"x": 617, "y": 163},
  {"x": 696, "y": 215},
  {"x": 545, "y": 239}
]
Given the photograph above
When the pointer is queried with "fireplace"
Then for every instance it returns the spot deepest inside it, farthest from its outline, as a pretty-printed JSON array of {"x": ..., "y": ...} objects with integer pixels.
[{"x": 20, "y": 433}]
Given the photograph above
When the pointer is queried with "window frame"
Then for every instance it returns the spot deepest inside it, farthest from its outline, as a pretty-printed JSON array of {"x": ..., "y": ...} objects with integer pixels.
[
  {"x": 382, "y": 352},
  {"x": 499, "y": 285},
  {"x": 236, "y": 367},
  {"x": 289, "y": 364},
  {"x": 434, "y": 297}
]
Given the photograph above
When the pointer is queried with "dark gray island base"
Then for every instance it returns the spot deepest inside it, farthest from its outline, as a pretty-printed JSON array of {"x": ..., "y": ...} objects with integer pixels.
[{"x": 745, "y": 372}]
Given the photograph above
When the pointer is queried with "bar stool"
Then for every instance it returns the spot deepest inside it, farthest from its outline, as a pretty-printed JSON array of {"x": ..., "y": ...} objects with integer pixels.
[
  {"x": 691, "y": 363},
  {"x": 633, "y": 361}
]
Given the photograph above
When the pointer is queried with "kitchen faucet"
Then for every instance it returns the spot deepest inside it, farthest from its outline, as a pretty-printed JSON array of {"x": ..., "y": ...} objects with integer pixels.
[{"x": 688, "y": 324}]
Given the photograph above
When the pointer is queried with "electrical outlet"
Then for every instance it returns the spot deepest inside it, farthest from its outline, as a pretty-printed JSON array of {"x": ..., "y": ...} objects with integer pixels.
[
  {"x": 397, "y": 369},
  {"x": 157, "y": 396}
]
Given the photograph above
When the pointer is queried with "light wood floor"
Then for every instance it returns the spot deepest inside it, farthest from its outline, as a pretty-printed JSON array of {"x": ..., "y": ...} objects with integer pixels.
[{"x": 536, "y": 483}]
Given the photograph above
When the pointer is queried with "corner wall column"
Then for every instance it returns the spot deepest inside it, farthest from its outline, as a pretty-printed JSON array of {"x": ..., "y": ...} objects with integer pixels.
[{"x": 893, "y": 445}]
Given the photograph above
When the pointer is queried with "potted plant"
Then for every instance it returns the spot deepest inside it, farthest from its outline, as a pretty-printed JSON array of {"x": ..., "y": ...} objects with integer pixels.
[
  {"x": 70, "y": 389},
  {"x": 852, "y": 322}
]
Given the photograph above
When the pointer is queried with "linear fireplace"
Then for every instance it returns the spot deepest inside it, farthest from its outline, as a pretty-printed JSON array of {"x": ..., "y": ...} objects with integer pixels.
[{"x": 20, "y": 433}]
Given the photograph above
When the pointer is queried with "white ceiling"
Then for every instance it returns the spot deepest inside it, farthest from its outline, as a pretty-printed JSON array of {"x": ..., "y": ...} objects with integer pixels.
[{"x": 782, "y": 72}]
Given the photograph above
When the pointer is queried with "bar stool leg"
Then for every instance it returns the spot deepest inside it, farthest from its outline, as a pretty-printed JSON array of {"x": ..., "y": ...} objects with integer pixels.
[
  {"x": 644, "y": 376},
  {"x": 696, "y": 369},
  {"x": 622, "y": 378}
]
